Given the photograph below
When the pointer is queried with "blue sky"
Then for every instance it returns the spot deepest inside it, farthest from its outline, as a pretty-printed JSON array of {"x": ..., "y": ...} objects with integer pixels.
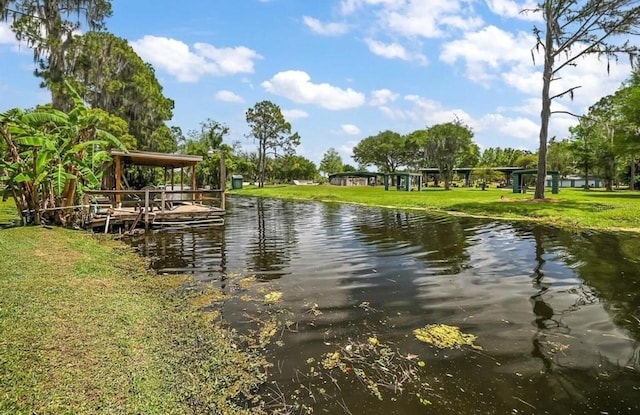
[{"x": 340, "y": 70}]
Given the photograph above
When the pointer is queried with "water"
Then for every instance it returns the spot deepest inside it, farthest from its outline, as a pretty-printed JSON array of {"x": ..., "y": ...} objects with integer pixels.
[{"x": 556, "y": 314}]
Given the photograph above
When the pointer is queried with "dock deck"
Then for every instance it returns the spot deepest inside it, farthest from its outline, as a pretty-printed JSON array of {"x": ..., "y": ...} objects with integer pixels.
[{"x": 153, "y": 208}]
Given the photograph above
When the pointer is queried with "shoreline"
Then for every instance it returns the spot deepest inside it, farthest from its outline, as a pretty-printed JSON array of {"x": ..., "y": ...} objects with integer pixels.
[{"x": 573, "y": 223}]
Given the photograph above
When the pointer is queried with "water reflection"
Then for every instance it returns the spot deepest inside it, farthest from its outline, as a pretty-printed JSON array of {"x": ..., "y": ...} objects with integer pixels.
[{"x": 556, "y": 313}]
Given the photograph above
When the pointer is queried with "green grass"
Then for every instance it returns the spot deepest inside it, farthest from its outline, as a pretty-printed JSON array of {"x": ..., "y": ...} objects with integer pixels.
[
  {"x": 572, "y": 208},
  {"x": 85, "y": 329},
  {"x": 8, "y": 212}
]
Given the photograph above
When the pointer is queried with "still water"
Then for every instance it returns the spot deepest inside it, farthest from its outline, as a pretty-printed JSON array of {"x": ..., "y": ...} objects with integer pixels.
[{"x": 556, "y": 314}]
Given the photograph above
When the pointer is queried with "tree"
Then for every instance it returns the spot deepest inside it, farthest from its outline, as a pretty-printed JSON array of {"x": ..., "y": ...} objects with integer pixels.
[
  {"x": 108, "y": 74},
  {"x": 583, "y": 151},
  {"x": 574, "y": 29},
  {"x": 500, "y": 157},
  {"x": 47, "y": 27},
  {"x": 208, "y": 143},
  {"x": 416, "y": 145},
  {"x": 560, "y": 158},
  {"x": 386, "y": 151},
  {"x": 272, "y": 131},
  {"x": 292, "y": 167},
  {"x": 331, "y": 162},
  {"x": 348, "y": 168},
  {"x": 447, "y": 145},
  {"x": 629, "y": 108},
  {"x": 51, "y": 157}
]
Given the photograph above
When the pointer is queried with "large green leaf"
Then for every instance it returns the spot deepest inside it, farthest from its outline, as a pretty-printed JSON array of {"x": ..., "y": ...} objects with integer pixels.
[
  {"x": 88, "y": 144},
  {"x": 93, "y": 180},
  {"x": 58, "y": 118},
  {"x": 43, "y": 159},
  {"x": 105, "y": 135},
  {"x": 59, "y": 179},
  {"x": 32, "y": 141},
  {"x": 20, "y": 178}
]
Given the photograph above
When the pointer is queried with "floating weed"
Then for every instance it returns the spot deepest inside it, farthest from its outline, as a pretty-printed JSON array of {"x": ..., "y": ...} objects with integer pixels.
[
  {"x": 445, "y": 337},
  {"x": 247, "y": 282},
  {"x": 267, "y": 331},
  {"x": 383, "y": 371},
  {"x": 314, "y": 310},
  {"x": 206, "y": 299},
  {"x": 272, "y": 297}
]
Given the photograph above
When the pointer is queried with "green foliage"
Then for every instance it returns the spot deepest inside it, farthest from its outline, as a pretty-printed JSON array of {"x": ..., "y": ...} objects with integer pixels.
[
  {"x": 51, "y": 157},
  {"x": 446, "y": 145},
  {"x": 574, "y": 29},
  {"x": 293, "y": 167},
  {"x": 47, "y": 26},
  {"x": 109, "y": 74},
  {"x": 560, "y": 157},
  {"x": 208, "y": 143},
  {"x": 387, "y": 151},
  {"x": 500, "y": 157},
  {"x": 271, "y": 130},
  {"x": 331, "y": 162}
]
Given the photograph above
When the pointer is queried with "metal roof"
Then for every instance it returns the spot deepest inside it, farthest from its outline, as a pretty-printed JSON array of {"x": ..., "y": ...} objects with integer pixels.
[{"x": 148, "y": 158}]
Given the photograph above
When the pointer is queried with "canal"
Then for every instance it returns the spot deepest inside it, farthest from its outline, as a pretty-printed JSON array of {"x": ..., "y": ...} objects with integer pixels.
[{"x": 555, "y": 315}]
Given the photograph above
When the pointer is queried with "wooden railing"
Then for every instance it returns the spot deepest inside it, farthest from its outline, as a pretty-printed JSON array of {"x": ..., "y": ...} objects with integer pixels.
[{"x": 154, "y": 199}]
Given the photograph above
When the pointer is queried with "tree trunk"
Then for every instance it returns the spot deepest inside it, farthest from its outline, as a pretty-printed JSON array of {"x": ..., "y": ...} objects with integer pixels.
[
  {"x": 586, "y": 177},
  {"x": 545, "y": 114},
  {"x": 632, "y": 181}
]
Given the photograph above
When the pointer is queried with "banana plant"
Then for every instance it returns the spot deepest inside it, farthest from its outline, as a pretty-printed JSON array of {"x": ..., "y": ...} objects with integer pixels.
[{"x": 51, "y": 157}]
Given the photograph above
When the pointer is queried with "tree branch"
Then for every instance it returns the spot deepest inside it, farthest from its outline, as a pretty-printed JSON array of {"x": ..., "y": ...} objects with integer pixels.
[{"x": 568, "y": 91}]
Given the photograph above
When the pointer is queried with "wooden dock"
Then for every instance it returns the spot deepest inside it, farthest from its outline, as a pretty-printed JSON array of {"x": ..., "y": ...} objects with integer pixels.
[{"x": 129, "y": 209}]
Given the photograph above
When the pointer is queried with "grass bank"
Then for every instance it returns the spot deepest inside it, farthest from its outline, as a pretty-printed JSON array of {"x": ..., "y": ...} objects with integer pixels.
[
  {"x": 86, "y": 329},
  {"x": 571, "y": 208}
]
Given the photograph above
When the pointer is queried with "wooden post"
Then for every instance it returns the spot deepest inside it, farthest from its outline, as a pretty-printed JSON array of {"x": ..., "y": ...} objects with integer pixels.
[
  {"x": 146, "y": 208},
  {"x": 172, "y": 177},
  {"x": 223, "y": 180},
  {"x": 193, "y": 184},
  {"x": 118, "y": 198},
  {"x": 181, "y": 182},
  {"x": 163, "y": 199}
]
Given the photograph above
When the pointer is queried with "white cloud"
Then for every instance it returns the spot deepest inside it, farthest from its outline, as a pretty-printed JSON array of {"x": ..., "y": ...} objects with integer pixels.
[
  {"x": 297, "y": 86},
  {"x": 431, "y": 112},
  {"x": 325, "y": 29},
  {"x": 515, "y": 9},
  {"x": 521, "y": 128},
  {"x": 590, "y": 74},
  {"x": 294, "y": 114},
  {"x": 418, "y": 18},
  {"x": 394, "y": 51},
  {"x": 187, "y": 65},
  {"x": 228, "y": 96},
  {"x": 347, "y": 148},
  {"x": 485, "y": 52},
  {"x": 7, "y": 37},
  {"x": 430, "y": 18},
  {"x": 350, "y": 6},
  {"x": 381, "y": 97},
  {"x": 350, "y": 129}
]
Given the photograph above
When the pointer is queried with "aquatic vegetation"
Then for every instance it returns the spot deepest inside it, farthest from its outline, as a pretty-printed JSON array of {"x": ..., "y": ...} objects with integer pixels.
[
  {"x": 445, "y": 337},
  {"x": 272, "y": 297}
]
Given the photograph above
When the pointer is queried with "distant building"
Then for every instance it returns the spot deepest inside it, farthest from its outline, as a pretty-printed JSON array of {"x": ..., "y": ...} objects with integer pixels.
[
  {"x": 576, "y": 181},
  {"x": 354, "y": 179}
]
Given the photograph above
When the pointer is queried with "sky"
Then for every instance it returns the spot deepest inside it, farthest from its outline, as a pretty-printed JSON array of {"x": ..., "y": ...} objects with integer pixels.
[{"x": 342, "y": 70}]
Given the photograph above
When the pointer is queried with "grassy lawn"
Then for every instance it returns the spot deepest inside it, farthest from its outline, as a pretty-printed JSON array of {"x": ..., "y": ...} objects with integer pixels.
[
  {"x": 85, "y": 329},
  {"x": 573, "y": 208}
]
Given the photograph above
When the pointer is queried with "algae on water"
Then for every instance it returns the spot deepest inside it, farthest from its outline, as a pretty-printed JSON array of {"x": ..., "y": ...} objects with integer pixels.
[{"x": 445, "y": 337}]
